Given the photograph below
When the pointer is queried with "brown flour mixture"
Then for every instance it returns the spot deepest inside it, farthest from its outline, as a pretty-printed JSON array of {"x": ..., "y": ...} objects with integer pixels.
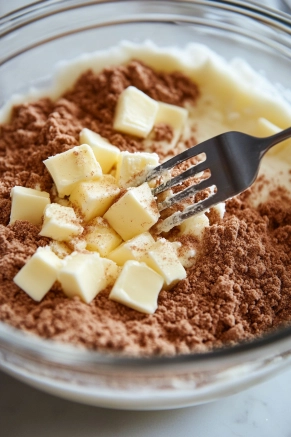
[{"x": 240, "y": 286}]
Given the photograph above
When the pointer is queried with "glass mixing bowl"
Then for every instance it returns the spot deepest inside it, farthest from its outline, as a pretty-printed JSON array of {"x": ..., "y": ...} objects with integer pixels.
[{"x": 32, "y": 41}]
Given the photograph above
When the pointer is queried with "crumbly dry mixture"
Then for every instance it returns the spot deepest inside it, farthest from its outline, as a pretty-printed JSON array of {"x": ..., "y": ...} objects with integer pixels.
[{"x": 240, "y": 285}]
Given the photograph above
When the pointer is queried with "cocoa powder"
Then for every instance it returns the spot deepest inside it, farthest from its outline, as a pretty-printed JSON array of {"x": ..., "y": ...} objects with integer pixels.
[{"x": 240, "y": 285}]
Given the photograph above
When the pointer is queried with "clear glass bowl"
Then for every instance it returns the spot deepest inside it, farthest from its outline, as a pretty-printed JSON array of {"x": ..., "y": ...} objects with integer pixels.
[{"x": 32, "y": 41}]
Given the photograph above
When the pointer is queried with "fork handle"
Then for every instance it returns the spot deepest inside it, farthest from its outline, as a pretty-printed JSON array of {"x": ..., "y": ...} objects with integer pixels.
[{"x": 271, "y": 141}]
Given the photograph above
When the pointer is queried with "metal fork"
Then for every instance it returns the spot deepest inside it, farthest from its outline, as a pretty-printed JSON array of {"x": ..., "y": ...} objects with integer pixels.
[{"x": 232, "y": 159}]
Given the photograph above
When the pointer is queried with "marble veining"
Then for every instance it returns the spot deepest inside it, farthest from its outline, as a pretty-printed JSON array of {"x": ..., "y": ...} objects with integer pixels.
[{"x": 262, "y": 411}]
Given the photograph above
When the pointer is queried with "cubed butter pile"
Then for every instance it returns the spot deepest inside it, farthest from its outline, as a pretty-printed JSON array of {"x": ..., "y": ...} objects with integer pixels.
[{"x": 101, "y": 218}]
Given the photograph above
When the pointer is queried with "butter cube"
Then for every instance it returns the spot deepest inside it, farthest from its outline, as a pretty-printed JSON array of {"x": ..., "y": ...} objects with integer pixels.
[
  {"x": 162, "y": 258},
  {"x": 69, "y": 168},
  {"x": 93, "y": 198},
  {"x": 135, "y": 113},
  {"x": 28, "y": 204},
  {"x": 219, "y": 209},
  {"x": 77, "y": 244},
  {"x": 132, "y": 249},
  {"x": 187, "y": 257},
  {"x": 137, "y": 287},
  {"x": 185, "y": 253},
  {"x": 82, "y": 275},
  {"x": 105, "y": 153},
  {"x": 133, "y": 213},
  {"x": 194, "y": 225},
  {"x": 174, "y": 116},
  {"x": 100, "y": 237},
  {"x": 132, "y": 168},
  {"x": 111, "y": 271},
  {"x": 60, "y": 223},
  {"x": 40, "y": 272},
  {"x": 60, "y": 248}
]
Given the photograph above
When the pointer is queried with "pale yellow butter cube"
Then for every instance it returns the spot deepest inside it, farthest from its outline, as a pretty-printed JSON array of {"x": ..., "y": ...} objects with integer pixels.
[
  {"x": 186, "y": 253},
  {"x": 28, "y": 204},
  {"x": 93, "y": 198},
  {"x": 60, "y": 223},
  {"x": 137, "y": 287},
  {"x": 105, "y": 153},
  {"x": 133, "y": 213},
  {"x": 194, "y": 225},
  {"x": 39, "y": 274},
  {"x": 132, "y": 168},
  {"x": 82, "y": 275},
  {"x": 135, "y": 113},
  {"x": 111, "y": 271},
  {"x": 174, "y": 116},
  {"x": 187, "y": 257},
  {"x": 113, "y": 173},
  {"x": 132, "y": 249},
  {"x": 77, "y": 244},
  {"x": 60, "y": 248},
  {"x": 73, "y": 166},
  {"x": 219, "y": 209},
  {"x": 100, "y": 237},
  {"x": 62, "y": 201},
  {"x": 162, "y": 258}
]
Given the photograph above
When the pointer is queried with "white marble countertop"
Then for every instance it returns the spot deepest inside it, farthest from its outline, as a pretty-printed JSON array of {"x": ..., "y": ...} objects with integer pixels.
[{"x": 262, "y": 411}]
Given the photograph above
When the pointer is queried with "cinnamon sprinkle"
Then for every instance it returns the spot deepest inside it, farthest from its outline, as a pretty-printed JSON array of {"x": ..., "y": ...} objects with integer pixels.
[{"x": 240, "y": 285}]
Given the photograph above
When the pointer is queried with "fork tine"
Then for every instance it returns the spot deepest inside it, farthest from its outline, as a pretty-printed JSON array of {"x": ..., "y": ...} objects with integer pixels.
[
  {"x": 195, "y": 169},
  {"x": 176, "y": 160},
  {"x": 233, "y": 159},
  {"x": 178, "y": 217},
  {"x": 188, "y": 192}
]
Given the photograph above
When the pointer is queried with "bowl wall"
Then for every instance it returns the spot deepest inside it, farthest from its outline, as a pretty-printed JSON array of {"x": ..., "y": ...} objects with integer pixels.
[{"x": 32, "y": 42}]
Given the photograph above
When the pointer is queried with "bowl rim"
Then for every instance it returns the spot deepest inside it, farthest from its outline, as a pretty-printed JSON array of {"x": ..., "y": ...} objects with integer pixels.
[
  {"x": 25, "y": 344},
  {"x": 20, "y": 341},
  {"x": 44, "y": 8}
]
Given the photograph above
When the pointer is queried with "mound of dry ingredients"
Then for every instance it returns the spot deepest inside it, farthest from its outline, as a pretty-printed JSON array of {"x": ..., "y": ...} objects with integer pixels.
[{"x": 240, "y": 285}]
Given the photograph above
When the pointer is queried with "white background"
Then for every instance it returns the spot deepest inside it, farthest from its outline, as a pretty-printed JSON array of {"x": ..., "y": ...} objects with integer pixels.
[{"x": 263, "y": 411}]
